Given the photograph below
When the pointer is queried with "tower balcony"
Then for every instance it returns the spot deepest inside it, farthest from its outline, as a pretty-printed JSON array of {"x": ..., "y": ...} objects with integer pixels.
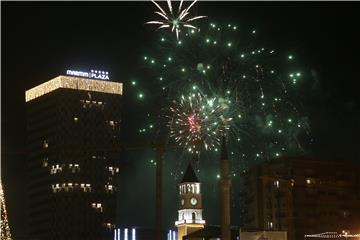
[{"x": 189, "y": 221}]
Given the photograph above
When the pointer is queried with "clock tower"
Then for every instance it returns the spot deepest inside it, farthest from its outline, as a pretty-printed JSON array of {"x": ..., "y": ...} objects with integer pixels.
[{"x": 190, "y": 205}]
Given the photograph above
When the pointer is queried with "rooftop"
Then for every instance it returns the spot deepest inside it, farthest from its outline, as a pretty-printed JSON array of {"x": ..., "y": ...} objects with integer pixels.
[
  {"x": 189, "y": 175},
  {"x": 71, "y": 82}
]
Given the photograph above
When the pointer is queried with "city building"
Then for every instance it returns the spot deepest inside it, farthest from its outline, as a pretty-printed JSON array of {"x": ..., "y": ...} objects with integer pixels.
[
  {"x": 74, "y": 150},
  {"x": 262, "y": 235},
  {"x": 213, "y": 232},
  {"x": 303, "y": 196},
  {"x": 190, "y": 204}
]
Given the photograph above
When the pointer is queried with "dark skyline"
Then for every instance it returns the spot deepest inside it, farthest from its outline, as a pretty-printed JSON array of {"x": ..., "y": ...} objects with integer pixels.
[{"x": 42, "y": 40}]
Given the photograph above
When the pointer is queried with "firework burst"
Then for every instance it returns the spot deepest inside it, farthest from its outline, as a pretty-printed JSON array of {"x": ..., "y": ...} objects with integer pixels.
[
  {"x": 197, "y": 122},
  {"x": 176, "y": 20},
  {"x": 261, "y": 86}
]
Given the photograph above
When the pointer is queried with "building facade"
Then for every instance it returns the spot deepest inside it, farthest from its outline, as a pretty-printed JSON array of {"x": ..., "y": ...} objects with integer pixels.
[
  {"x": 303, "y": 196},
  {"x": 74, "y": 150},
  {"x": 190, "y": 205}
]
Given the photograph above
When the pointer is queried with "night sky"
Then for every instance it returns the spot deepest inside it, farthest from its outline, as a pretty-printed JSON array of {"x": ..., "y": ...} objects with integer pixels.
[{"x": 41, "y": 40}]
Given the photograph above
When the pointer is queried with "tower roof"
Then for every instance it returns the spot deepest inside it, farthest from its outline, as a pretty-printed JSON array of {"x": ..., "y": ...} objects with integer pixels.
[{"x": 189, "y": 175}]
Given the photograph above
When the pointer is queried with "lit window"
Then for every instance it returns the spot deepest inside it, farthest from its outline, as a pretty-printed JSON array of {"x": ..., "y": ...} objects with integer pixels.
[
  {"x": 56, "y": 187},
  {"x": 45, "y": 162},
  {"x": 76, "y": 119},
  {"x": 55, "y": 169},
  {"x": 97, "y": 206},
  {"x": 109, "y": 188},
  {"x": 74, "y": 168},
  {"x": 188, "y": 188},
  {"x": 85, "y": 187},
  {"x": 113, "y": 170},
  {"x": 292, "y": 182},
  {"x": 45, "y": 144},
  {"x": 277, "y": 183},
  {"x": 310, "y": 181},
  {"x": 109, "y": 225}
]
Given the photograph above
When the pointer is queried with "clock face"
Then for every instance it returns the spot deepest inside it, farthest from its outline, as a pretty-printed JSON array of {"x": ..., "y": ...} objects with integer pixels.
[
  {"x": 182, "y": 201},
  {"x": 193, "y": 201}
]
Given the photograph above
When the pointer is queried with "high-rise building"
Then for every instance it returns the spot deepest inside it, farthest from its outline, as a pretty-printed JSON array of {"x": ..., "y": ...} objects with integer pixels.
[
  {"x": 190, "y": 205},
  {"x": 303, "y": 196},
  {"x": 74, "y": 150}
]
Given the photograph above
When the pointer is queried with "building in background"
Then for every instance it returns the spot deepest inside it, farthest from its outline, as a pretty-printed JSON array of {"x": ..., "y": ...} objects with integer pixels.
[
  {"x": 262, "y": 235},
  {"x": 303, "y": 196},
  {"x": 190, "y": 205},
  {"x": 74, "y": 148}
]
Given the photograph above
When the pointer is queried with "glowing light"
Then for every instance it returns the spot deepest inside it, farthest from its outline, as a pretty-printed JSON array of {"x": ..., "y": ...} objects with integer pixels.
[
  {"x": 176, "y": 20},
  {"x": 133, "y": 83},
  {"x": 68, "y": 82},
  {"x": 333, "y": 235},
  {"x": 141, "y": 95},
  {"x": 290, "y": 57},
  {"x": 133, "y": 235},
  {"x": 92, "y": 74},
  {"x": 126, "y": 234}
]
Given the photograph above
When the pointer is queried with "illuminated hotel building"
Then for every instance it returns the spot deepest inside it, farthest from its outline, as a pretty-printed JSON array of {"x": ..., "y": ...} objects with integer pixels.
[{"x": 74, "y": 150}]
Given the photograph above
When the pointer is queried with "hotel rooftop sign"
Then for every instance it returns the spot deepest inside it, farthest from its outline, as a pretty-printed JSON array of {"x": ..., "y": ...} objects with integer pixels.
[{"x": 96, "y": 74}]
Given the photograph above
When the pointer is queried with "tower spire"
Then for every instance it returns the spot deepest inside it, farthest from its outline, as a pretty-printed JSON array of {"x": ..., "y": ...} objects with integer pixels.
[{"x": 190, "y": 175}]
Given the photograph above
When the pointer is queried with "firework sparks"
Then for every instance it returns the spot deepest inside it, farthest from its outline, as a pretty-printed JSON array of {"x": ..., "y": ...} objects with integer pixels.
[
  {"x": 257, "y": 86},
  {"x": 175, "y": 19},
  {"x": 199, "y": 122}
]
